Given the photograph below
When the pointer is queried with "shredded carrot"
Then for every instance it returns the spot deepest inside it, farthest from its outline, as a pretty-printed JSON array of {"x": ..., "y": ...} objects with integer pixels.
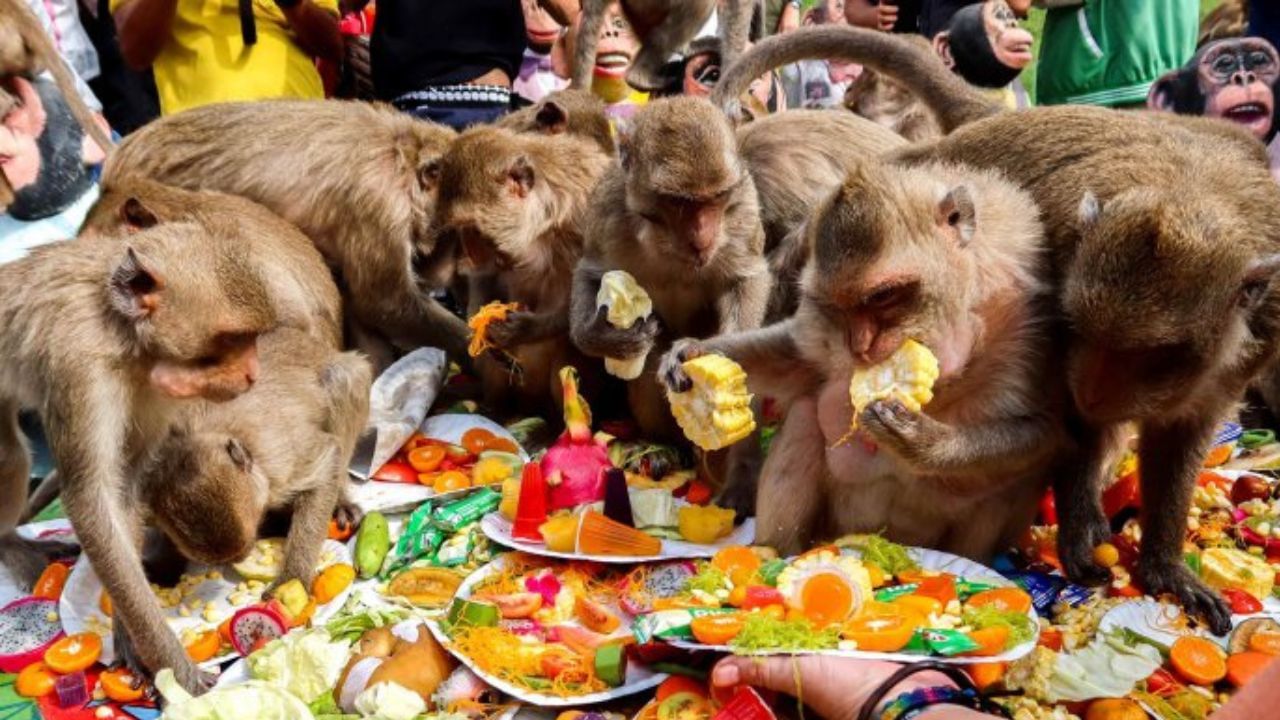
[
  {"x": 503, "y": 655},
  {"x": 479, "y": 324}
]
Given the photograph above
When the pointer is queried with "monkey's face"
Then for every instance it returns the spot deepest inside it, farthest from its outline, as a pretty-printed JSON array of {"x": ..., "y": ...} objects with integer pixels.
[
  {"x": 1161, "y": 298},
  {"x": 1237, "y": 77},
  {"x": 194, "y": 307}
]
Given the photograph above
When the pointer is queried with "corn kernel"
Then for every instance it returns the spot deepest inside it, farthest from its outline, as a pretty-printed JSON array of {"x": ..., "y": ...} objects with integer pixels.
[
  {"x": 716, "y": 412},
  {"x": 906, "y": 376}
]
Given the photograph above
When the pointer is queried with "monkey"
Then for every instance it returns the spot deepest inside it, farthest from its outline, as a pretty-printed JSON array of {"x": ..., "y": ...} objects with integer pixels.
[
  {"x": 1165, "y": 295},
  {"x": 952, "y": 258},
  {"x": 679, "y": 212},
  {"x": 25, "y": 51},
  {"x": 349, "y": 175},
  {"x": 664, "y": 27},
  {"x": 1233, "y": 79},
  {"x": 887, "y": 103},
  {"x": 302, "y": 288},
  {"x": 515, "y": 201},
  {"x": 576, "y": 112},
  {"x": 108, "y": 340}
]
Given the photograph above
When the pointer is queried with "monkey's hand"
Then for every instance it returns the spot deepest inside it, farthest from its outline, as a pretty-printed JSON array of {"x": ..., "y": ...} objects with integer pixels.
[
  {"x": 347, "y": 515},
  {"x": 914, "y": 437},
  {"x": 192, "y": 678},
  {"x": 1077, "y": 537},
  {"x": 1197, "y": 599},
  {"x": 671, "y": 370},
  {"x": 601, "y": 339},
  {"x": 516, "y": 329}
]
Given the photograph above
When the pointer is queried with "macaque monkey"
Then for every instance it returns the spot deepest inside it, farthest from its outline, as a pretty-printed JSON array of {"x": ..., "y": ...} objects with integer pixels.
[
  {"x": 680, "y": 214},
  {"x": 515, "y": 202},
  {"x": 1164, "y": 235},
  {"x": 952, "y": 259},
  {"x": 106, "y": 339},
  {"x": 664, "y": 27},
  {"x": 885, "y": 102},
  {"x": 349, "y": 175},
  {"x": 574, "y": 112},
  {"x": 26, "y": 51},
  {"x": 301, "y": 285}
]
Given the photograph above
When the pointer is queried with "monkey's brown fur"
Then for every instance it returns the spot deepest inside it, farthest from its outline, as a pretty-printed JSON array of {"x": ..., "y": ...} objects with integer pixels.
[
  {"x": 663, "y": 27},
  {"x": 575, "y": 112},
  {"x": 952, "y": 259},
  {"x": 101, "y": 338},
  {"x": 1164, "y": 234},
  {"x": 301, "y": 285},
  {"x": 349, "y": 175},
  {"x": 26, "y": 51},
  {"x": 680, "y": 214},
  {"x": 515, "y": 201},
  {"x": 885, "y": 102}
]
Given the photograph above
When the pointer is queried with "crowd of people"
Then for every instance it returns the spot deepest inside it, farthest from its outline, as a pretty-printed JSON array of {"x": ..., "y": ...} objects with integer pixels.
[{"x": 464, "y": 63}]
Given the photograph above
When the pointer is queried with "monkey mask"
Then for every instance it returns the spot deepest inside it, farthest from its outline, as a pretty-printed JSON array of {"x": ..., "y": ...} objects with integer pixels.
[
  {"x": 615, "y": 52},
  {"x": 984, "y": 44},
  {"x": 1233, "y": 79},
  {"x": 44, "y": 153}
]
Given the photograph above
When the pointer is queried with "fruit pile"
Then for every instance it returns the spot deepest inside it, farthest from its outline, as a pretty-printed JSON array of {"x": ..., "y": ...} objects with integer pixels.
[{"x": 482, "y": 458}]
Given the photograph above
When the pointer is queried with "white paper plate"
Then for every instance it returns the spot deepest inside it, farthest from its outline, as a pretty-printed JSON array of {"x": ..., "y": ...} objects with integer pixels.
[
  {"x": 639, "y": 677},
  {"x": 1154, "y": 619},
  {"x": 929, "y": 560},
  {"x": 498, "y": 528},
  {"x": 79, "y": 602}
]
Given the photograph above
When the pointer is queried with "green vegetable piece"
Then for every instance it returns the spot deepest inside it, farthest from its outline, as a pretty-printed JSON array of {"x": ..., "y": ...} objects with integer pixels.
[
  {"x": 611, "y": 664},
  {"x": 373, "y": 541},
  {"x": 472, "y": 613},
  {"x": 770, "y": 571}
]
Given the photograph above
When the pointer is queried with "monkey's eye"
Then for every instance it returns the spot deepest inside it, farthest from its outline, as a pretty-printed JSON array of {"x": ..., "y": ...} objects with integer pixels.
[
  {"x": 887, "y": 296},
  {"x": 1257, "y": 59},
  {"x": 1225, "y": 64}
]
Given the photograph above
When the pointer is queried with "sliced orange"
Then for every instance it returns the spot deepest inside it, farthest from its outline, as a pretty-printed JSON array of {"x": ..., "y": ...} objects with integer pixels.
[
  {"x": 717, "y": 629},
  {"x": 991, "y": 641},
  {"x": 501, "y": 444},
  {"x": 51, "y": 581},
  {"x": 1197, "y": 660},
  {"x": 427, "y": 458},
  {"x": 882, "y": 631},
  {"x": 1005, "y": 599},
  {"x": 34, "y": 681},
  {"x": 738, "y": 562},
  {"x": 452, "y": 480},
  {"x": 118, "y": 685},
  {"x": 826, "y": 599},
  {"x": 924, "y": 605},
  {"x": 477, "y": 440},
  {"x": 104, "y": 603},
  {"x": 204, "y": 647},
  {"x": 1265, "y": 642},
  {"x": 73, "y": 652}
]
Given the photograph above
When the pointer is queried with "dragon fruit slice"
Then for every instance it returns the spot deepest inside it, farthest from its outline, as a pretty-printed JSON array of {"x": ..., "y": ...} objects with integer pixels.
[
  {"x": 253, "y": 627},
  {"x": 662, "y": 581},
  {"x": 574, "y": 466},
  {"x": 26, "y": 631}
]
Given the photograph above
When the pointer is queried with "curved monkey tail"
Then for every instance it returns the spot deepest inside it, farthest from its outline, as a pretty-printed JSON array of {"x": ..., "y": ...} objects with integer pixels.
[{"x": 953, "y": 101}]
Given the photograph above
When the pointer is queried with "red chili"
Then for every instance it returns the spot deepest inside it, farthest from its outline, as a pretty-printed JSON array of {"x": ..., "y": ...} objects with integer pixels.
[
  {"x": 1241, "y": 602},
  {"x": 1048, "y": 509}
]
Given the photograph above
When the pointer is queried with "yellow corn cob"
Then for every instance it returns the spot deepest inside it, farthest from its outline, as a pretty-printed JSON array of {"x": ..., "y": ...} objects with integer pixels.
[
  {"x": 907, "y": 376},
  {"x": 1224, "y": 568},
  {"x": 716, "y": 412},
  {"x": 627, "y": 303}
]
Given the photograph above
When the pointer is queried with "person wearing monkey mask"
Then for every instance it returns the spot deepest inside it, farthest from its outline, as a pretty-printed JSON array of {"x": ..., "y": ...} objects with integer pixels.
[{"x": 984, "y": 44}]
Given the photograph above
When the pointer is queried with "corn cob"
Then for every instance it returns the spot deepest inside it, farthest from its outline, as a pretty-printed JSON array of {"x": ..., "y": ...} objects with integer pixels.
[
  {"x": 627, "y": 303},
  {"x": 716, "y": 412},
  {"x": 907, "y": 376}
]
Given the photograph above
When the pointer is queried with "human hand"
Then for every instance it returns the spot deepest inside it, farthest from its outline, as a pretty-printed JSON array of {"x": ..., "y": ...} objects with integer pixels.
[
  {"x": 834, "y": 687},
  {"x": 888, "y": 13}
]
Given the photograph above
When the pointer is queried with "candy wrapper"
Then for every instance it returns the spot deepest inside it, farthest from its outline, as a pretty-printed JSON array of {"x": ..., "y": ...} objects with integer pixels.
[
  {"x": 398, "y": 403},
  {"x": 670, "y": 624},
  {"x": 1048, "y": 590}
]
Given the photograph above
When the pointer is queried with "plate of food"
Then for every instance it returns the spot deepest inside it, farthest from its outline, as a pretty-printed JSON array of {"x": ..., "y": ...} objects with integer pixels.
[
  {"x": 548, "y": 633},
  {"x": 865, "y": 597},
  {"x": 219, "y": 613}
]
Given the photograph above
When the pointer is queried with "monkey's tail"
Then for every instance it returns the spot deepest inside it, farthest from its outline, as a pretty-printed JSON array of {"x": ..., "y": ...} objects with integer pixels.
[{"x": 953, "y": 101}]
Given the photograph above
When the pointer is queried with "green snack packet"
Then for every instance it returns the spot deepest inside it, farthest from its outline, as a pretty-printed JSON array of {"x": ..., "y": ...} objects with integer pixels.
[
  {"x": 454, "y": 551},
  {"x": 670, "y": 624},
  {"x": 469, "y": 509},
  {"x": 917, "y": 645},
  {"x": 892, "y": 593},
  {"x": 770, "y": 571},
  {"x": 947, "y": 643},
  {"x": 967, "y": 588}
]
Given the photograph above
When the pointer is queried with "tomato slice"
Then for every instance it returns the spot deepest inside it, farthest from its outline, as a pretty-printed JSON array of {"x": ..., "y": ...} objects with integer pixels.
[
  {"x": 396, "y": 471},
  {"x": 762, "y": 596},
  {"x": 118, "y": 684},
  {"x": 1241, "y": 602},
  {"x": 717, "y": 629},
  {"x": 73, "y": 652}
]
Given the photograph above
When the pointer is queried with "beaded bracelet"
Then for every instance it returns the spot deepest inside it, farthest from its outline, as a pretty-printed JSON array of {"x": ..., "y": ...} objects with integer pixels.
[{"x": 911, "y": 703}]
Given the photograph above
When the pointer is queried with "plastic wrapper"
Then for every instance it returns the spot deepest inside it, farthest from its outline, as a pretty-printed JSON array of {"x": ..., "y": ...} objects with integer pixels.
[{"x": 398, "y": 404}]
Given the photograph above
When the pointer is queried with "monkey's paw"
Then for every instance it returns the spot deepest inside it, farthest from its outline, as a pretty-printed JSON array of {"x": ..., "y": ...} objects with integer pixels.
[
  {"x": 193, "y": 679},
  {"x": 1077, "y": 537},
  {"x": 671, "y": 370},
  {"x": 910, "y": 435},
  {"x": 602, "y": 339},
  {"x": 1197, "y": 599},
  {"x": 511, "y": 331},
  {"x": 347, "y": 515}
]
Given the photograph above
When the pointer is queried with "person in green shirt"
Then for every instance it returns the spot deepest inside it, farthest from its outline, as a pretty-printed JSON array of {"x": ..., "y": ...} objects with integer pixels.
[{"x": 1108, "y": 52}]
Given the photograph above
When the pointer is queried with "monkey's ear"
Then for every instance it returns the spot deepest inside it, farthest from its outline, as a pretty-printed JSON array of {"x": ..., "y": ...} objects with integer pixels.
[
  {"x": 552, "y": 117},
  {"x": 1090, "y": 209},
  {"x": 136, "y": 215},
  {"x": 239, "y": 454},
  {"x": 957, "y": 214},
  {"x": 1257, "y": 280},
  {"x": 134, "y": 288},
  {"x": 429, "y": 175},
  {"x": 1161, "y": 94},
  {"x": 942, "y": 46},
  {"x": 520, "y": 177}
]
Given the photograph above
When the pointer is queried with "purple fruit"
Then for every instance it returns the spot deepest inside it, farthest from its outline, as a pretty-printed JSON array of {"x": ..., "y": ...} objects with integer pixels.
[
  {"x": 617, "y": 499},
  {"x": 253, "y": 627},
  {"x": 26, "y": 631}
]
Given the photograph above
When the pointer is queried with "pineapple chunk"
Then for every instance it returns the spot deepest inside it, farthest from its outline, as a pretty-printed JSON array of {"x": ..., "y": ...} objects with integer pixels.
[
  {"x": 1224, "y": 568},
  {"x": 716, "y": 412},
  {"x": 627, "y": 303},
  {"x": 907, "y": 376}
]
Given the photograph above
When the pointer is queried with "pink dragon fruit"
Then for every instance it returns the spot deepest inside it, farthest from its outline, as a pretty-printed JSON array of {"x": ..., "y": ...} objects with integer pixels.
[
  {"x": 253, "y": 627},
  {"x": 26, "y": 631},
  {"x": 574, "y": 466}
]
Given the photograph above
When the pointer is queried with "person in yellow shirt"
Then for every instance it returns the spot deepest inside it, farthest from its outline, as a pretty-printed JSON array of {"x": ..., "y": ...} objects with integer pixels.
[{"x": 199, "y": 53}]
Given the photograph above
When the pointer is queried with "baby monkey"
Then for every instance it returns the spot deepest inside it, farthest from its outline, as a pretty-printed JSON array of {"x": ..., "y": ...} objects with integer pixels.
[{"x": 950, "y": 258}]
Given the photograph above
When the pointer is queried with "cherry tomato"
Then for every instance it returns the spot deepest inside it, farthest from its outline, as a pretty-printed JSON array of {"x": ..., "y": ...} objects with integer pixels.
[
  {"x": 476, "y": 440},
  {"x": 760, "y": 596},
  {"x": 699, "y": 493},
  {"x": 396, "y": 471},
  {"x": 1124, "y": 493},
  {"x": 1241, "y": 602},
  {"x": 1162, "y": 682}
]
